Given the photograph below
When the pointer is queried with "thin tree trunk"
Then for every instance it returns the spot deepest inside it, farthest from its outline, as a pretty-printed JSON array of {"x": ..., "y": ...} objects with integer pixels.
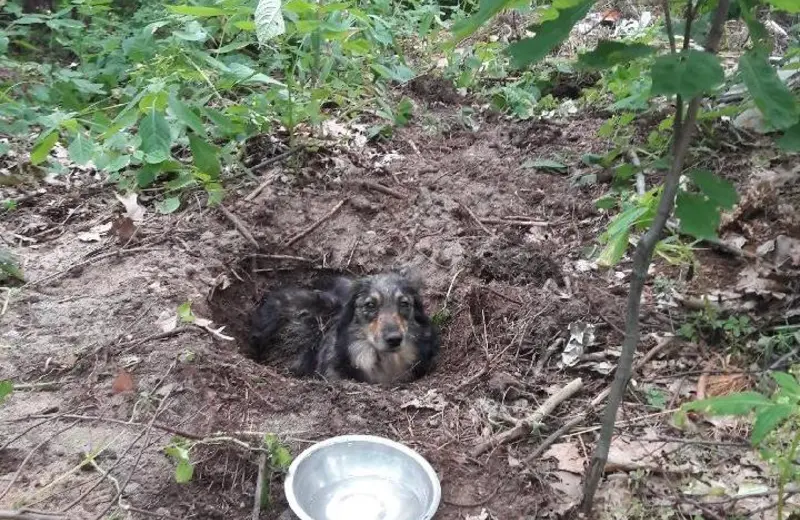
[{"x": 641, "y": 262}]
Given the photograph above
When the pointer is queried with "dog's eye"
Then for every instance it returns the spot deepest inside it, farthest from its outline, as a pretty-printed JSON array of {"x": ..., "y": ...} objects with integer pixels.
[
  {"x": 369, "y": 305},
  {"x": 404, "y": 303}
]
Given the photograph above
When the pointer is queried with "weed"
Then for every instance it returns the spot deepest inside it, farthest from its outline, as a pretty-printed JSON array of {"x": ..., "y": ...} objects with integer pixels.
[
  {"x": 708, "y": 325},
  {"x": 776, "y": 425}
]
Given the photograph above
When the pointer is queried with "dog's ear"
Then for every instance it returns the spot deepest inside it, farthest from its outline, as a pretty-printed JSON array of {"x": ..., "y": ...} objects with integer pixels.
[
  {"x": 349, "y": 293},
  {"x": 412, "y": 275}
]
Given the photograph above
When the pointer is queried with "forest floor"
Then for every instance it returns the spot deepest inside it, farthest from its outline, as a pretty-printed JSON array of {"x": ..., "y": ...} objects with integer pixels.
[{"x": 93, "y": 345}]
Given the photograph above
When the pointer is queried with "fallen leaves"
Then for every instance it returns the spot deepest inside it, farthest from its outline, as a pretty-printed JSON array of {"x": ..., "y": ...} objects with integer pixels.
[
  {"x": 123, "y": 383},
  {"x": 133, "y": 210}
]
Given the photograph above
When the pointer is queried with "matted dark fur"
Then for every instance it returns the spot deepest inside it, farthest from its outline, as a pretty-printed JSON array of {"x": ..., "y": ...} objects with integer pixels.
[{"x": 373, "y": 329}]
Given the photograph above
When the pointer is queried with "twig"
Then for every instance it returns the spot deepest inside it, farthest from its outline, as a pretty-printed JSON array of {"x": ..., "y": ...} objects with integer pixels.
[
  {"x": 56, "y": 276},
  {"x": 240, "y": 227},
  {"x": 25, "y": 431},
  {"x": 380, "y": 188},
  {"x": 670, "y": 30},
  {"x": 526, "y": 425},
  {"x": 146, "y": 433},
  {"x": 307, "y": 231},
  {"x": 29, "y": 514},
  {"x": 553, "y": 437},
  {"x": 593, "y": 404},
  {"x": 282, "y": 257},
  {"x": 255, "y": 193},
  {"x": 514, "y": 222},
  {"x": 154, "y": 337},
  {"x": 546, "y": 355},
  {"x": 503, "y": 296},
  {"x": 450, "y": 289},
  {"x": 476, "y": 219},
  {"x": 640, "y": 182},
  {"x": 30, "y": 454},
  {"x": 277, "y": 158},
  {"x": 262, "y": 469}
]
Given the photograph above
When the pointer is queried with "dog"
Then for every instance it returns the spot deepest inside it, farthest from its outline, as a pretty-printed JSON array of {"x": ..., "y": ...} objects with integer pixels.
[{"x": 372, "y": 329}]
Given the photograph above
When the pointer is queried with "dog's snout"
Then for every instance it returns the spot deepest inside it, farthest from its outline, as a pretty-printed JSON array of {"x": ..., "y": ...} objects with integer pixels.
[{"x": 393, "y": 337}]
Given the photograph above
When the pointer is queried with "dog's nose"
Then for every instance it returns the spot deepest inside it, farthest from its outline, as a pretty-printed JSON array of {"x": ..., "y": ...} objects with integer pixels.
[{"x": 393, "y": 339}]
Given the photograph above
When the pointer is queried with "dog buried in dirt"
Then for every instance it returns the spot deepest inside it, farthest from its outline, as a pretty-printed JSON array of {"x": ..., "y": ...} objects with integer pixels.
[{"x": 372, "y": 329}]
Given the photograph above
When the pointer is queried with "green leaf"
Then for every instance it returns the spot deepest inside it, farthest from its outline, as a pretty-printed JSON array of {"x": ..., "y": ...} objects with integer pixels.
[
  {"x": 769, "y": 418},
  {"x": 185, "y": 313},
  {"x": 741, "y": 403},
  {"x": 245, "y": 25},
  {"x": 199, "y": 11},
  {"x": 215, "y": 193},
  {"x": 6, "y": 387},
  {"x": 718, "y": 190},
  {"x": 626, "y": 219},
  {"x": 184, "y": 471},
  {"x": 186, "y": 115},
  {"x": 548, "y": 34},
  {"x": 699, "y": 217},
  {"x": 609, "y": 53},
  {"x": 486, "y": 11},
  {"x": 42, "y": 147},
  {"x": 688, "y": 74},
  {"x": 790, "y": 6},
  {"x": 790, "y": 140},
  {"x": 771, "y": 95},
  {"x": 156, "y": 138},
  {"x": 788, "y": 383},
  {"x": 545, "y": 164},
  {"x": 205, "y": 156},
  {"x": 153, "y": 100},
  {"x": 606, "y": 202},
  {"x": 615, "y": 248},
  {"x": 269, "y": 20},
  {"x": 279, "y": 454},
  {"x": 168, "y": 205},
  {"x": 81, "y": 149}
]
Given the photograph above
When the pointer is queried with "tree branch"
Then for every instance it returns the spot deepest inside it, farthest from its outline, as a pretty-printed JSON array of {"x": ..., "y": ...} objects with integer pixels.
[{"x": 641, "y": 262}]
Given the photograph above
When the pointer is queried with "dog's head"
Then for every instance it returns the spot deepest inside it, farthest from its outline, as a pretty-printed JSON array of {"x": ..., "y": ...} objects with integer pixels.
[{"x": 386, "y": 308}]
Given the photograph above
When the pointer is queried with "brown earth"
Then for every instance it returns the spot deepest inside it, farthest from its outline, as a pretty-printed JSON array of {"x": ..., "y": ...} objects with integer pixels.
[{"x": 513, "y": 291}]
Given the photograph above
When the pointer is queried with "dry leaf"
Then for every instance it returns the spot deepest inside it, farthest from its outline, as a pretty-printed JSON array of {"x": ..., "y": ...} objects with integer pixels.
[
  {"x": 432, "y": 400},
  {"x": 567, "y": 455},
  {"x": 167, "y": 321},
  {"x": 123, "y": 228},
  {"x": 133, "y": 210},
  {"x": 123, "y": 383}
]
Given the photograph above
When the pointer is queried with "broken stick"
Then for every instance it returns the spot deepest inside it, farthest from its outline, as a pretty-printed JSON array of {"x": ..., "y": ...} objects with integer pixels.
[
  {"x": 526, "y": 425},
  {"x": 380, "y": 188},
  {"x": 240, "y": 227},
  {"x": 307, "y": 231}
]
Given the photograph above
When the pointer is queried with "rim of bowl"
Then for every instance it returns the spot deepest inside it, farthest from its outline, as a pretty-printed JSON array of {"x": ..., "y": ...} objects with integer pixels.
[{"x": 419, "y": 459}]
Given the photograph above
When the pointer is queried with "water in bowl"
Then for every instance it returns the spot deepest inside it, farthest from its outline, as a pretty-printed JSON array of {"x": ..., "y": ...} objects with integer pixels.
[{"x": 365, "y": 498}]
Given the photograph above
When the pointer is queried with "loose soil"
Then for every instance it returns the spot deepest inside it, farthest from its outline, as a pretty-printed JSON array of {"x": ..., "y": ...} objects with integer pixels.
[{"x": 504, "y": 292}]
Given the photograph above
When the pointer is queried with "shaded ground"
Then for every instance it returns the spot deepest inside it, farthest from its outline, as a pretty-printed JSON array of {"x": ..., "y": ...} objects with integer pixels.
[{"x": 458, "y": 200}]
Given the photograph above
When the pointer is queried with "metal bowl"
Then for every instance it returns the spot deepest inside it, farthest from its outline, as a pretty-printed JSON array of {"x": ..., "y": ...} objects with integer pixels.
[{"x": 362, "y": 477}]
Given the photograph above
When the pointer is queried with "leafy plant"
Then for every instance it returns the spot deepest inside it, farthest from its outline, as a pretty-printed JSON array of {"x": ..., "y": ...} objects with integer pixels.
[
  {"x": 9, "y": 266},
  {"x": 707, "y": 324},
  {"x": 178, "y": 450},
  {"x": 685, "y": 75},
  {"x": 775, "y": 430},
  {"x": 6, "y": 388}
]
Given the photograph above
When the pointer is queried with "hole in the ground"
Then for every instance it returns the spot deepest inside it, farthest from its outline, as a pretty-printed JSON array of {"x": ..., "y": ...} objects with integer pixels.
[{"x": 233, "y": 306}]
